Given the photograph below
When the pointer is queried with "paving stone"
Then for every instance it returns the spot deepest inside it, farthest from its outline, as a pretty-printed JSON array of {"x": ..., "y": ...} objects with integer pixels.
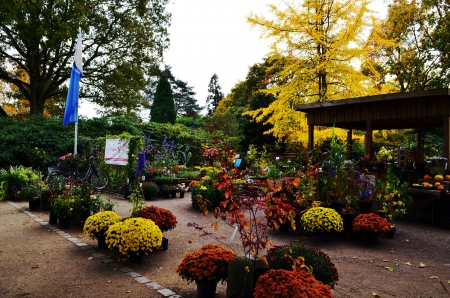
[
  {"x": 153, "y": 285},
  {"x": 116, "y": 265},
  {"x": 86, "y": 247},
  {"x": 175, "y": 296},
  {"x": 81, "y": 244},
  {"x": 133, "y": 274},
  {"x": 108, "y": 261},
  {"x": 98, "y": 255},
  {"x": 166, "y": 292},
  {"x": 142, "y": 279},
  {"x": 125, "y": 269},
  {"x": 90, "y": 251}
]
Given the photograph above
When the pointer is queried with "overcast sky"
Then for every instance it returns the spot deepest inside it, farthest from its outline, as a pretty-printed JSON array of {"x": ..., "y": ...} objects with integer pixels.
[{"x": 213, "y": 37}]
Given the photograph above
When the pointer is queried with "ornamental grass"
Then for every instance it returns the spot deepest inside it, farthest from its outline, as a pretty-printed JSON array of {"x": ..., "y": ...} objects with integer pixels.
[
  {"x": 289, "y": 284},
  {"x": 134, "y": 236},
  {"x": 371, "y": 222},
  {"x": 209, "y": 264},
  {"x": 322, "y": 220},
  {"x": 163, "y": 218},
  {"x": 98, "y": 224}
]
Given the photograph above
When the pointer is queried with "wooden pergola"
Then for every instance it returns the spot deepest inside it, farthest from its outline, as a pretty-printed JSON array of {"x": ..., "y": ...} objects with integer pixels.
[{"x": 419, "y": 110}]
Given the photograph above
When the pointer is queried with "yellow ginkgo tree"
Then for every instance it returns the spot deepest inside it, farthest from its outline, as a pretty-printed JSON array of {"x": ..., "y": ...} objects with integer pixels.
[{"x": 322, "y": 50}]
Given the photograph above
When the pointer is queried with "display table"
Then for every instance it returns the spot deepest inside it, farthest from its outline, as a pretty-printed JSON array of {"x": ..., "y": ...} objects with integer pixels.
[{"x": 432, "y": 196}]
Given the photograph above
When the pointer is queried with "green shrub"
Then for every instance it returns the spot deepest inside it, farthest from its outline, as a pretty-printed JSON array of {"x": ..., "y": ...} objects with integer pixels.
[
  {"x": 150, "y": 189},
  {"x": 281, "y": 257},
  {"x": 14, "y": 179}
]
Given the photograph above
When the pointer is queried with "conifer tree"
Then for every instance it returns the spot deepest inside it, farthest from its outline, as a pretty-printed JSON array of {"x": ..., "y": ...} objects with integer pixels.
[{"x": 163, "y": 107}]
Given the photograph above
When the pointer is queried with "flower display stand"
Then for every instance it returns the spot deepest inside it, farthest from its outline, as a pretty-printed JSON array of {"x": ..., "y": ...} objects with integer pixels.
[{"x": 34, "y": 204}]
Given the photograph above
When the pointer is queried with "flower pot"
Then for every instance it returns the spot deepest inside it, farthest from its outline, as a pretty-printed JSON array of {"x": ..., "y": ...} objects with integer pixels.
[
  {"x": 181, "y": 194},
  {"x": 365, "y": 207},
  {"x": 165, "y": 243},
  {"x": 371, "y": 237},
  {"x": 76, "y": 218},
  {"x": 173, "y": 194},
  {"x": 53, "y": 217},
  {"x": 391, "y": 233},
  {"x": 34, "y": 204},
  {"x": 101, "y": 242},
  {"x": 64, "y": 222},
  {"x": 206, "y": 289},
  {"x": 136, "y": 259},
  {"x": 45, "y": 205}
]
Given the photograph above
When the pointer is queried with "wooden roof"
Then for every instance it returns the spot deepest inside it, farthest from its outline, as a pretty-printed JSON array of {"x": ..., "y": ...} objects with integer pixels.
[{"x": 388, "y": 111}]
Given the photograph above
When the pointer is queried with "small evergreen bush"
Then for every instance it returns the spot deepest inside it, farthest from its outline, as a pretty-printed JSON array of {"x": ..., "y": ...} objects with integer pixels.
[{"x": 282, "y": 257}]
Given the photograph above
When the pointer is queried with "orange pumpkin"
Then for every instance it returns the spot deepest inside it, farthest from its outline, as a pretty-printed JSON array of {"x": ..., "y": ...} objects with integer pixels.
[
  {"x": 439, "y": 178},
  {"x": 447, "y": 178},
  {"x": 440, "y": 187},
  {"x": 426, "y": 177}
]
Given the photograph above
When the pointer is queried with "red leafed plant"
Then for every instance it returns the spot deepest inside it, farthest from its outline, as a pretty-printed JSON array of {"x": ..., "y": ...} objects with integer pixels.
[
  {"x": 293, "y": 284},
  {"x": 280, "y": 213},
  {"x": 371, "y": 222},
  {"x": 209, "y": 263},
  {"x": 163, "y": 218}
]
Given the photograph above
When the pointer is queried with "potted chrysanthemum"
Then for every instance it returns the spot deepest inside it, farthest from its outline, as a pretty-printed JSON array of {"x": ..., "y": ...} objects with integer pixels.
[
  {"x": 163, "y": 218},
  {"x": 134, "y": 237},
  {"x": 371, "y": 225},
  {"x": 206, "y": 266},
  {"x": 297, "y": 283},
  {"x": 98, "y": 224},
  {"x": 322, "y": 220}
]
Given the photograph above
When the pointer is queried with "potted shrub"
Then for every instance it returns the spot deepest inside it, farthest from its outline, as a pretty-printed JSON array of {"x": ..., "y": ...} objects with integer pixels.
[
  {"x": 371, "y": 225},
  {"x": 150, "y": 190},
  {"x": 322, "y": 220},
  {"x": 63, "y": 207},
  {"x": 206, "y": 267},
  {"x": 168, "y": 190},
  {"x": 134, "y": 238},
  {"x": 98, "y": 224},
  {"x": 297, "y": 283},
  {"x": 285, "y": 257}
]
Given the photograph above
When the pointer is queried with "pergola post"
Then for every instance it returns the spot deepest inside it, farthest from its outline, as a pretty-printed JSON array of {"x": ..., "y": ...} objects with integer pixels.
[
  {"x": 310, "y": 137},
  {"x": 447, "y": 137},
  {"x": 419, "y": 157},
  {"x": 349, "y": 144},
  {"x": 368, "y": 139}
]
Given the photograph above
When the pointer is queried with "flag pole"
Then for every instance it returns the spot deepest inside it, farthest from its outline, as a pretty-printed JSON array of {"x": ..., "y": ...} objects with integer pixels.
[
  {"x": 71, "y": 111},
  {"x": 76, "y": 138}
]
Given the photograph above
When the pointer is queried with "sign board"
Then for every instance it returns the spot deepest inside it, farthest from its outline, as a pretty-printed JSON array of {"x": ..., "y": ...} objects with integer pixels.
[{"x": 116, "y": 151}]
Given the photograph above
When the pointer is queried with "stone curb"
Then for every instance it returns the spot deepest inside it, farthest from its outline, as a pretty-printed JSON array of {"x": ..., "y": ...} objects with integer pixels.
[{"x": 94, "y": 253}]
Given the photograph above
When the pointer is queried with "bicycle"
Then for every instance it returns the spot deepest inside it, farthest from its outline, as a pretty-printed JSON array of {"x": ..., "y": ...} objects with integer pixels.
[{"x": 96, "y": 177}]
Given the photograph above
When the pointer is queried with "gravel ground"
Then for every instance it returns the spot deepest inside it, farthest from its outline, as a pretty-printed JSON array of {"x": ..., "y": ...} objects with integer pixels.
[{"x": 37, "y": 262}]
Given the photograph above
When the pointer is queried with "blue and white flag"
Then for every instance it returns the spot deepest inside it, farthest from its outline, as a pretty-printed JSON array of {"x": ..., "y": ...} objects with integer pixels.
[{"x": 71, "y": 113}]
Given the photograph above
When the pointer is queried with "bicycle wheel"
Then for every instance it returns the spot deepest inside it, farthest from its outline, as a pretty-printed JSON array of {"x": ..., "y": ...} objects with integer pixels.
[{"x": 99, "y": 179}]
